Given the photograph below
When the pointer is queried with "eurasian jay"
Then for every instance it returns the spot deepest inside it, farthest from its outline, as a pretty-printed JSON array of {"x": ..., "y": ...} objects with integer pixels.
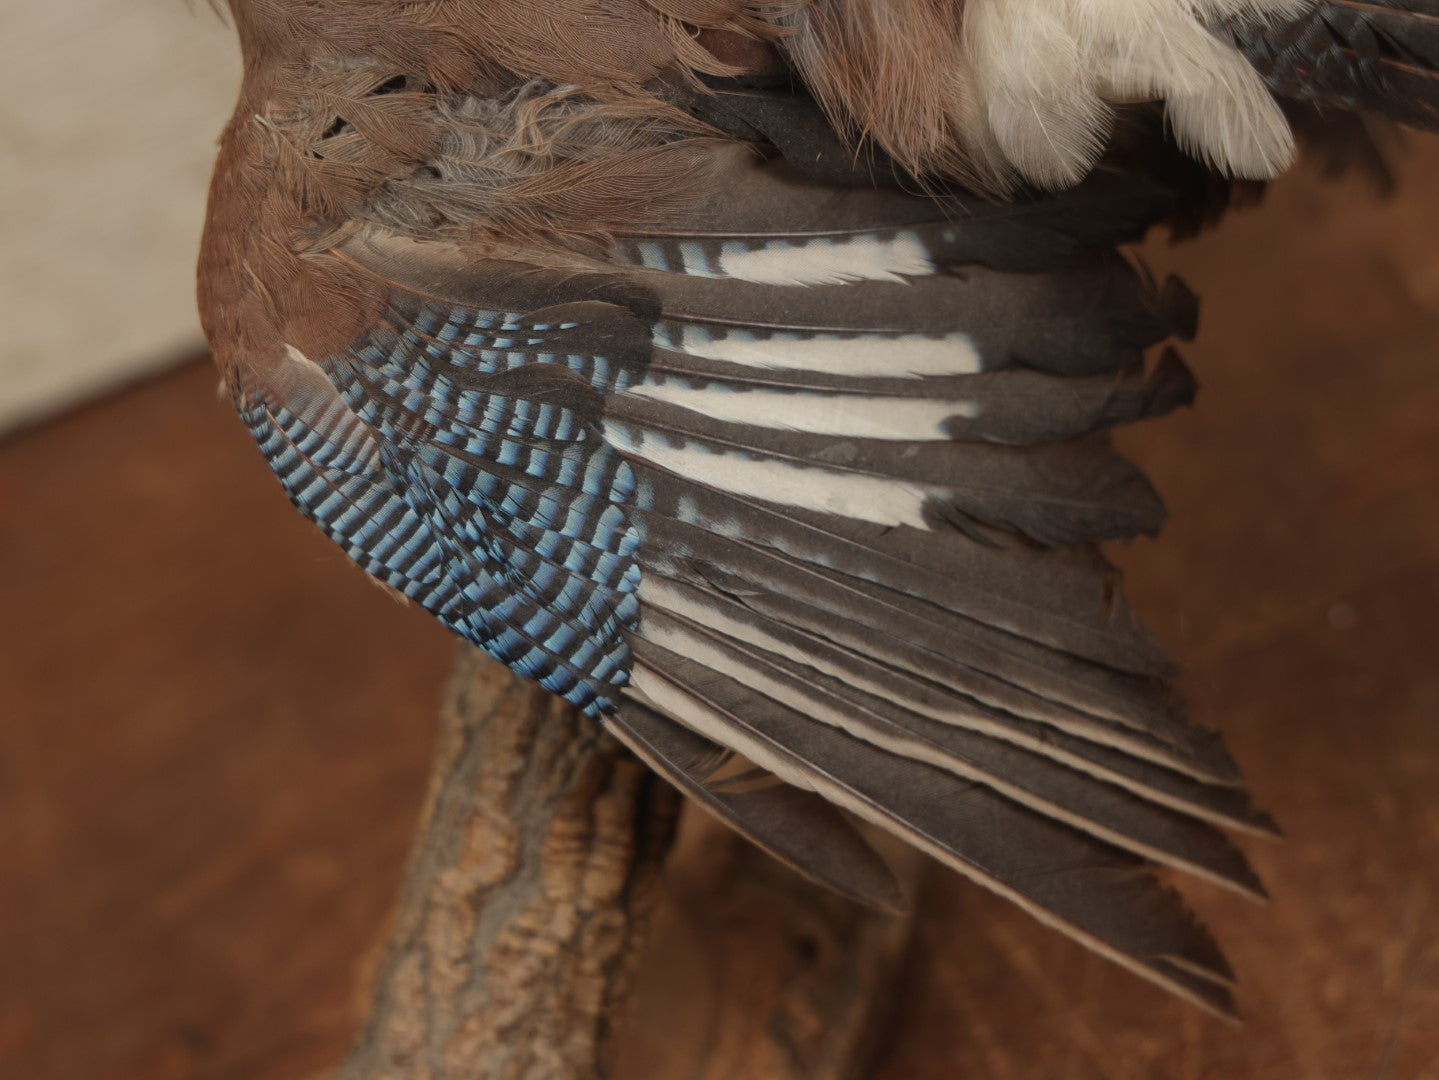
[{"x": 741, "y": 371}]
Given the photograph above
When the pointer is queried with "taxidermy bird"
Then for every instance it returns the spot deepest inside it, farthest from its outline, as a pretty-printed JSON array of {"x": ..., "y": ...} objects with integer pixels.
[{"x": 741, "y": 371}]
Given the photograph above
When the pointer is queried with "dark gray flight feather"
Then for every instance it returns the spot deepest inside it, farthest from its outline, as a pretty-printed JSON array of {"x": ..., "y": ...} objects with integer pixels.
[
  {"x": 1096, "y": 894},
  {"x": 795, "y": 826},
  {"x": 1379, "y": 56}
]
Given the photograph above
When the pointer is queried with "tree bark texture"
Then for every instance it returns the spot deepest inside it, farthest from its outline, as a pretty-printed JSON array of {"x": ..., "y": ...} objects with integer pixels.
[
  {"x": 534, "y": 880},
  {"x": 527, "y": 895},
  {"x": 754, "y": 973}
]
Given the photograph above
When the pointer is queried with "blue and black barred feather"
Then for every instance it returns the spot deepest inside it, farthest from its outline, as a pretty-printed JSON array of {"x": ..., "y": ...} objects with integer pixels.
[{"x": 489, "y": 497}]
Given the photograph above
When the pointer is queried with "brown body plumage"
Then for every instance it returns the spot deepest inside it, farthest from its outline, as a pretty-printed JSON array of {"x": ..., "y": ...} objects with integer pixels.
[{"x": 312, "y": 145}]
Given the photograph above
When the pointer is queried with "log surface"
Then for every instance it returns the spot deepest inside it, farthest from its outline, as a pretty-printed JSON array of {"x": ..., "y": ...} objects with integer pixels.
[
  {"x": 527, "y": 898},
  {"x": 525, "y": 910}
]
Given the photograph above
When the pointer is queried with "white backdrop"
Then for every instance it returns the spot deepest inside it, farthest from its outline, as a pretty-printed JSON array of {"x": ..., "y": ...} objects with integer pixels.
[{"x": 107, "y": 132}]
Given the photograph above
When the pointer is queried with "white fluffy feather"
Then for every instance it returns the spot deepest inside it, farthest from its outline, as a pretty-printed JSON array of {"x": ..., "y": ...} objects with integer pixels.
[{"x": 1047, "y": 71}]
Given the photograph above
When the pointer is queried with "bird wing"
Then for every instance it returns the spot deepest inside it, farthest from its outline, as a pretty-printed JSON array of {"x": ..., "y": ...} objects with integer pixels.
[
  {"x": 1380, "y": 56},
  {"x": 816, "y": 478}
]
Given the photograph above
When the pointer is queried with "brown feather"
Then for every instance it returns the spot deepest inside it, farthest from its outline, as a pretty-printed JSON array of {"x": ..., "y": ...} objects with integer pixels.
[
  {"x": 891, "y": 71},
  {"x": 349, "y": 113}
]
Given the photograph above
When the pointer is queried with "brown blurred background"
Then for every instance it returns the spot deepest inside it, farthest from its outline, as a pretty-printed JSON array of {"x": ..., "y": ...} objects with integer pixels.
[{"x": 214, "y": 735}]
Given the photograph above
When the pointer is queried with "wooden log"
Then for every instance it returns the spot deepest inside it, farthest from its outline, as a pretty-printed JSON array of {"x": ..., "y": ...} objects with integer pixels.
[
  {"x": 527, "y": 895},
  {"x": 754, "y": 972},
  {"x": 528, "y": 899}
]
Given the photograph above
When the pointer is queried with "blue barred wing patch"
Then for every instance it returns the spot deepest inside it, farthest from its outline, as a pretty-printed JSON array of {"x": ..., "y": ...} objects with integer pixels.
[{"x": 464, "y": 471}]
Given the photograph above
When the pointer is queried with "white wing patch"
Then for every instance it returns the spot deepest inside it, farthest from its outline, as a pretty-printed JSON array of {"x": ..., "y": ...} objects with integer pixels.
[
  {"x": 860, "y": 355},
  {"x": 828, "y": 491},
  {"x": 858, "y": 416},
  {"x": 866, "y": 257},
  {"x": 793, "y": 260}
]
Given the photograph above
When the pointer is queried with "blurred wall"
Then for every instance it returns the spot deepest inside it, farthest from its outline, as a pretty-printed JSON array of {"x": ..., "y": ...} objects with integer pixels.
[{"x": 106, "y": 139}]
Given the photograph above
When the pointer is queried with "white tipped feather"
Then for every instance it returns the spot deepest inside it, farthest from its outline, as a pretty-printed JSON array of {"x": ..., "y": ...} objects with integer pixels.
[
  {"x": 858, "y": 416},
  {"x": 858, "y": 355},
  {"x": 829, "y": 491}
]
